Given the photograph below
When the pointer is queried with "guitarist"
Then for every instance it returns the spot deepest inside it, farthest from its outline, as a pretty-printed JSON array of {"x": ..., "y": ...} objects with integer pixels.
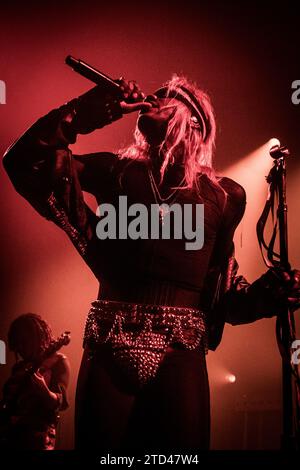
[{"x": 35, "y": 392}]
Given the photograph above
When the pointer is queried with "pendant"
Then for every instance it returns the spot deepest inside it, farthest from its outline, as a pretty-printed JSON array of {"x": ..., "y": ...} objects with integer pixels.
[{"x": 163, "y": 211}]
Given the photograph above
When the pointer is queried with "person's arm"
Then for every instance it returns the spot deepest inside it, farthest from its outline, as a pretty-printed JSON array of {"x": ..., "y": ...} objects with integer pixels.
[
  {"x": 43, "y": 170},
  {"x": 62, "y": 378},
  {"x": 54, "y": 395},
  {"x": 219, "y": 277},
  {"x": 40, "y": 161},
  {"x": 227, "y": 295},
  {"x": 240, "y": 301}
]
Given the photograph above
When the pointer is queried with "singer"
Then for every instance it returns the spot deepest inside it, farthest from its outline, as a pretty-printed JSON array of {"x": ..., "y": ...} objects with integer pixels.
[{"x": 143, "y": 380}]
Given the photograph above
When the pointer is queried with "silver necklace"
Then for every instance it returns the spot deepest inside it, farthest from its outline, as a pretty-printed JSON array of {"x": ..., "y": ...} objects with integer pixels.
[{"x": 163, "y": 211}]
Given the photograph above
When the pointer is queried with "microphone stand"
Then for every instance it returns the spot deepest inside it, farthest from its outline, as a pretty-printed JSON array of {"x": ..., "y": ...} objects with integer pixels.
[{"x": 285, "y": 322}]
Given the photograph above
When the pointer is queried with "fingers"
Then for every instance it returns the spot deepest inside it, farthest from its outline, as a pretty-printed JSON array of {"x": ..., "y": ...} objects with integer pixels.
[
  {"x": 293, "y": 283},
  {"x": 294, "y": 290},
  {"x": 295, "y": 279},
  {"x": 36, "y": 377},
  {"x": 131, "y": 90},
  {"x": 289, "y": 279},
  {"x": 287, "y": 287},
  {"x": 285, "y": 276}
]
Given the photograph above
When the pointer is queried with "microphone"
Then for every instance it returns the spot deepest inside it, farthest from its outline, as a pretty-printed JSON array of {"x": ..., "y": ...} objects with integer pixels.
[
  {"x": 94, "y": 75},
  {"x": 277, "y": 152}
]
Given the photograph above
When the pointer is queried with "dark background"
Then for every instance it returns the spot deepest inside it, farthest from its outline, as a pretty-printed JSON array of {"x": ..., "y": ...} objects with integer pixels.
[{"x": 245, "y": 55}]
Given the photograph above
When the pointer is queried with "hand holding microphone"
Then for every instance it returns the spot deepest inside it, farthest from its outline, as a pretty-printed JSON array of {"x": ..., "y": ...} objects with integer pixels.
[
  {"x": 133, "y": 97},
  {"x": 127, "y": 93}
]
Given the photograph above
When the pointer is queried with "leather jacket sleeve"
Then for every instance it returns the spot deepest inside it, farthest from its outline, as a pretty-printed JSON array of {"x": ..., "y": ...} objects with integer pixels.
[
  {"x": 44, "y": 171},
  {"x": 230, "y": 297}
]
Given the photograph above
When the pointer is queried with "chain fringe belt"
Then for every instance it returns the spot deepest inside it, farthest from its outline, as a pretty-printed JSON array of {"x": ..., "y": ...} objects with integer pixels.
[{"x": 139, "y": 334}]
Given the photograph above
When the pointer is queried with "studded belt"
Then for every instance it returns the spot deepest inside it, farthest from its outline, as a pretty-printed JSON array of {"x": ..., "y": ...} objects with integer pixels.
[{"x": 139, "y": 334}]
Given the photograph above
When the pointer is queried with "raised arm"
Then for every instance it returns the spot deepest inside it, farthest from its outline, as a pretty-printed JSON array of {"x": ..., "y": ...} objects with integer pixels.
[
  {"x": 40, "y": 161},
  {"x": 43, "y": 170}
]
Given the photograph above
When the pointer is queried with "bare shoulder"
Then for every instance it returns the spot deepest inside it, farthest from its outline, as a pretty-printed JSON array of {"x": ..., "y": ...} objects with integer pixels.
[
  {"x": 62, "y": 360},
  {"x": 58, "y": 361}
]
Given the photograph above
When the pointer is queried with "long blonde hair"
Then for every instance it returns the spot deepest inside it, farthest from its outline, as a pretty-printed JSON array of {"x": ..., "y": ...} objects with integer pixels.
[{"x": 182, "y": 136}]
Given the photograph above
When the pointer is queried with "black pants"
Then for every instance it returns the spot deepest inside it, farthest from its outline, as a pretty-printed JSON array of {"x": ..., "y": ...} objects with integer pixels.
[{"x": 170, "y": 412}]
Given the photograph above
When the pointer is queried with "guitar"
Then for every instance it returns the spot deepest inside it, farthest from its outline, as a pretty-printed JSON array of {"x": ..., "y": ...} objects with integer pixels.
[{"x": 16, "y": 383}]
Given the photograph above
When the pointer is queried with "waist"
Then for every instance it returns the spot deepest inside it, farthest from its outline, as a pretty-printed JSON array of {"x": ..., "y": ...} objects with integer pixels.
[
  {"x": 153, "y": 292},
  {"x": 138, "y": 312}
]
